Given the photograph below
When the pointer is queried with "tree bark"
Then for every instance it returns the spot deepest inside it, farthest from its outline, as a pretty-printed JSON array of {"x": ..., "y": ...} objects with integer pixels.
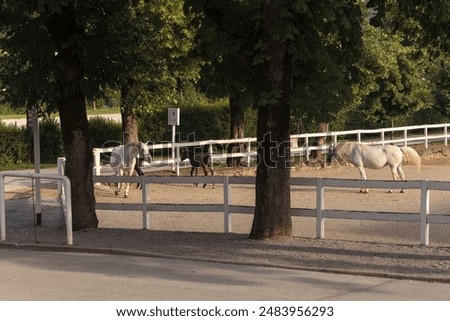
[
  {"x": 129, "y": 119},
  {"x": 236, "y": 128},
  {"x": 129, "y": 126},
  {"x": 323, "y": 128},
  {"x": 273, "y": 201},
  {"x": 74, "y": 123}
]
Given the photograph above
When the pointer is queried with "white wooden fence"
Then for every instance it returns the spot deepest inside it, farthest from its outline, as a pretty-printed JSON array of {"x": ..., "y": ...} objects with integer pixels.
[
  {"x": 301, "y": 144},
  {"x": 320, "y": 212}
]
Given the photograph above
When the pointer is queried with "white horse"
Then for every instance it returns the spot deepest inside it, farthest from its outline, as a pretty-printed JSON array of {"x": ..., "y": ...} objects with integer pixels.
[
  {"x": 376, "y": 157},
  {"x": 123, "y": 161}
]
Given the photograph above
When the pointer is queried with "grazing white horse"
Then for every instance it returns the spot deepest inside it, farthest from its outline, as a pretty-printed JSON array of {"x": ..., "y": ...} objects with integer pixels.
[
  {"x": 376, "y": 157},
  {"x": 123, "y": 161}
]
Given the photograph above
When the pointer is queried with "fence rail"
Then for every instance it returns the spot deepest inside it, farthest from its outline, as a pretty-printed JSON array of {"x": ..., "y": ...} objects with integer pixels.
[
  {"x": 320, "y": 212},
  {"x": 301, "y": 144}
]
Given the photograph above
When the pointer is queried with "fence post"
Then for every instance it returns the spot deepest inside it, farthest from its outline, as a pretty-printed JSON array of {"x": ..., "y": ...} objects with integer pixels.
[
  {"x": 306, "y": 149},
  {"x": 249, "y": 149},
  {"x": 425, "y": 132},
  {"x": 320, "y": 206},
  {"x": 405, "y": 136},
  {"x": 96, "y": 162},
  {"x": 145, "y": 194},
  {"x": 446, "y": 137},
  {"x": 424, "y": 211},
  {"x": 226, "y": 204}
]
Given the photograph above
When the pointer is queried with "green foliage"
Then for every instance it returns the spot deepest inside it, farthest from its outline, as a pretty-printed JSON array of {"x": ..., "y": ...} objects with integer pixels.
[
  {"x": 204, "y": 122},
  {"x": 51, "y": 141},
  {"x": 397, "y": 81},
  {"x": 7, "y": 109},
  {"x": 103, "y": 130},
  {"x": 425, "y": 23},
  {"x": 13, "y": 145},
  {"x": 197, "y": 122},
  {"x": 322, "y": 40}
]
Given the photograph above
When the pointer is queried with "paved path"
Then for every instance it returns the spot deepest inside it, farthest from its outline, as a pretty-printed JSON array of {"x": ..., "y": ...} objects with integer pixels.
[{"x": 36, "y": 275}]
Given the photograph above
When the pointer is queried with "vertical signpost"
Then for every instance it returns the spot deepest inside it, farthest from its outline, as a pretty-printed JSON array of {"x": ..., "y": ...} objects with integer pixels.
[
  {"x": 34, "y": 124},
  {"x": 174, "y": 120}
]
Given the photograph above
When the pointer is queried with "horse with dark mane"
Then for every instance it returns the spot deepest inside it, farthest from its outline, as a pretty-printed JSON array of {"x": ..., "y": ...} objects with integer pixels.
[{"x": 197, "y": 161}]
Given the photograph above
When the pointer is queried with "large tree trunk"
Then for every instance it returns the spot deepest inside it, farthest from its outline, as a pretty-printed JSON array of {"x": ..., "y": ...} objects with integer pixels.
[
  {"x": 273, "y": 201},
  {"x": 129, "y": 119},
  {"x": 74, "y": 123},
  {"x": 236, "y": 128},
  {"x": 129, "y": 125}
]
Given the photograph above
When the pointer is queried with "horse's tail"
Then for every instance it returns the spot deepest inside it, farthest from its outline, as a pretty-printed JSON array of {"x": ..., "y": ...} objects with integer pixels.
[{"x": 411, "y": 157}]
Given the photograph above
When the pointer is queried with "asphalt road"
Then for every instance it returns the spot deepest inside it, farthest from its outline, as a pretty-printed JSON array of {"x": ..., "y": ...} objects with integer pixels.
[{"x": 41, "y": 275}]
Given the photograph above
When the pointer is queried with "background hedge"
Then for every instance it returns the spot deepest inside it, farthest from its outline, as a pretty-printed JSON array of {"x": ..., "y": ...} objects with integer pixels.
[{"x": 201, "y": 122}]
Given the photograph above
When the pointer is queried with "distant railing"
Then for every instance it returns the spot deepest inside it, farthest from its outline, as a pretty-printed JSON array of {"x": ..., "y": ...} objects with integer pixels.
[
  {"x": 320, "y": 212},
  {"x": 301, "y": 144}
]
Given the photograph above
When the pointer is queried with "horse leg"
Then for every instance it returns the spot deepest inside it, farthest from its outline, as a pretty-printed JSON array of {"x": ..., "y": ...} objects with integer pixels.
[
  {"x": 363, "y": 175},
  {"x": 119, "y": 185},
  {"x": 139, "y": 172},
  {"x": 127, "y": 189},
  {"x": 212, "y": 174},
  {"x": 204, "y": 171},
  {"x": 397, "y": 172},
  {"x": 194, "y": 169},
  {"x": 130, "y": 173}
]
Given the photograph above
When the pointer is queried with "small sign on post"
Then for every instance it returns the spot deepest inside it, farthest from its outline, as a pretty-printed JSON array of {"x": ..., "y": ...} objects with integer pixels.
[
  {"x": 174, "y": 116},
  {"x": 174, "y": 120}
]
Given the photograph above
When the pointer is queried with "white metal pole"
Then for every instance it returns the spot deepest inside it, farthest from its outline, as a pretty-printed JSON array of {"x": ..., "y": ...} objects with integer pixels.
[
  {"x": 61, "y": 163},
  {"x": 173, "y": 147},
  {"x": 178, "y": 160}
]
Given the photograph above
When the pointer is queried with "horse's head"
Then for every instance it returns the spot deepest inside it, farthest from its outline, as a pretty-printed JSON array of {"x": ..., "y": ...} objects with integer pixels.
[
  {"x": 144, "y": 152},
  {"x": 338, "y": 151},
  {"x": 183, "y": 154}
]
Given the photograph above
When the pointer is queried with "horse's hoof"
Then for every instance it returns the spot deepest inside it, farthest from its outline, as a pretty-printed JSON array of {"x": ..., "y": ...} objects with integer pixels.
[
  {"x": 125, "y": 196},
  {"x": 116, "y": 192},
  {"x": 391, "y": 191},
  {"x": 402, "y": 191}
]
